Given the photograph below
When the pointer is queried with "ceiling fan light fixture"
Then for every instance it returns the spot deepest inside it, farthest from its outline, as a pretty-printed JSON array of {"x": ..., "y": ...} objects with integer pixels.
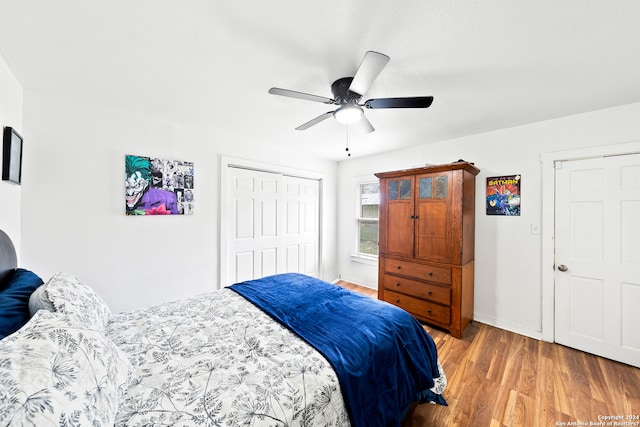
[{"x": 348, "y": 114}]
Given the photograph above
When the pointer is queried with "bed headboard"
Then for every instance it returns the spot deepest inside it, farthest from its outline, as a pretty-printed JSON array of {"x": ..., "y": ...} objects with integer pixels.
[{"x": 8, "y": 258}]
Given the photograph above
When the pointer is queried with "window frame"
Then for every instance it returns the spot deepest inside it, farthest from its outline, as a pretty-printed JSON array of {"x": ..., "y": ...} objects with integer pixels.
[{"x": 356, "y": 254}]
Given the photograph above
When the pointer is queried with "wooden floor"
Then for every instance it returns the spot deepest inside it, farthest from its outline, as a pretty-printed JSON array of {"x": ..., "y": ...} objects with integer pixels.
[{"x": 499, "y": 378}]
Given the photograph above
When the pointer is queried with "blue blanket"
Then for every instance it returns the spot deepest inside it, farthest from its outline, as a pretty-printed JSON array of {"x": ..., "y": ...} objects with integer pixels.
[{"x": 383, "y": 357}]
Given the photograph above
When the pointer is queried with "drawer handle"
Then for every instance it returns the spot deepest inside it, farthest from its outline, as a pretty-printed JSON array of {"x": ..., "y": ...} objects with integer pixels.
[
  {"x": 431, "y": 273},
  {"x": 429, "y": 293},
  {"x": 398, "y": 284},
  {"x": 399, "y": 267},
  {"x": 429, "y": 311},
  {"x": 397, "y": 301}
]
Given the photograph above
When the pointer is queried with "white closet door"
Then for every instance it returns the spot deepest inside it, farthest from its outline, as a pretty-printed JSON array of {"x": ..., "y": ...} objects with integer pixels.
[
  {"x": 301, "y": 224},
  {"x": 272, "y": 225},
  {"x": 597, "y": 242},
  {"x": 254, "y": 228}
]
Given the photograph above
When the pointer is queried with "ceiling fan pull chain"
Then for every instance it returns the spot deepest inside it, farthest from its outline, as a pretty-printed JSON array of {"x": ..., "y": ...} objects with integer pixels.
[{"x": 347, "y": 149}]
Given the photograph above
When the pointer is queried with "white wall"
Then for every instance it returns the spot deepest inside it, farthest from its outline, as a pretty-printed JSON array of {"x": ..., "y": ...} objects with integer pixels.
[
  {"x": 11, "y": 115},
  {"x": 508, "y": 266},
  {"x": 73, "y": 201}
]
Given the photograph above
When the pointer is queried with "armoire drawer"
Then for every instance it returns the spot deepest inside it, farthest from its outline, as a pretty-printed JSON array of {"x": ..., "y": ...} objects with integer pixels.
[
  {"x": 419, "y": 271},
  {"x": 418, "y": 289},
  {"x": 420, "y": 308}
]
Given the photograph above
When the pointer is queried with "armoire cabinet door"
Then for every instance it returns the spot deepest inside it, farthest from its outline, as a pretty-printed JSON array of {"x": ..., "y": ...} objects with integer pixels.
[
  {"x": 398, "y": 215},
  {"x": 433, "y": 211}
]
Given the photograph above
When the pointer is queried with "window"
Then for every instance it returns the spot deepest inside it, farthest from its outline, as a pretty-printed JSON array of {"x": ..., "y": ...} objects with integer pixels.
[{"x": 367, "y": 220}]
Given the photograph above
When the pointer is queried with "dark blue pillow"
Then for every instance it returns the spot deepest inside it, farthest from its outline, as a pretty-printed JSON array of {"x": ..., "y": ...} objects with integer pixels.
[{"x": 14, "y": 299}]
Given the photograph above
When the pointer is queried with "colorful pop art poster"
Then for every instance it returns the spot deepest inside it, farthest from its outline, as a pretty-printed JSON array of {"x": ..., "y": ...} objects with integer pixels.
[
  {"x": 157, "y": 186},
  {"x": 503, "y": 195}
]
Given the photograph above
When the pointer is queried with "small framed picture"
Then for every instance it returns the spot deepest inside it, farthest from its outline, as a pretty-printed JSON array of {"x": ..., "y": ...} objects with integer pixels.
[
  {"x": 11, "y": 155},
  {"x": 503, "y": 195}
]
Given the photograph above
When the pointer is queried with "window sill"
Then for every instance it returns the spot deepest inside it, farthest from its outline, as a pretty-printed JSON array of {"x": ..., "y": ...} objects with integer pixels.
[{"x": 364, "y": 259}]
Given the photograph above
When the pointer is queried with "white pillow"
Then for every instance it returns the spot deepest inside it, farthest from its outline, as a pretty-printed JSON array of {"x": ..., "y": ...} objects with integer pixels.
[
  {"x": 71, "y": 297},
  {"x": 57, "y": 371},
  {"x": 39, "y": 300}
]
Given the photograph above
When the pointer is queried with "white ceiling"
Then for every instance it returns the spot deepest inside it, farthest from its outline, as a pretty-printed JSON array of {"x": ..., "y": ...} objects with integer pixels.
[{"x": 209, "y": 63}]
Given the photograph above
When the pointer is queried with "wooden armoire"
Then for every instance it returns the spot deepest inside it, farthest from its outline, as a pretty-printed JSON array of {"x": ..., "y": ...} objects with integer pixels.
[{"x": 426, "y": 246}]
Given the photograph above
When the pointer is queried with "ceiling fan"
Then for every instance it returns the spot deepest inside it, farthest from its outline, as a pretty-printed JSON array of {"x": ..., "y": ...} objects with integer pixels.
[{"x": 348, "y": 91}]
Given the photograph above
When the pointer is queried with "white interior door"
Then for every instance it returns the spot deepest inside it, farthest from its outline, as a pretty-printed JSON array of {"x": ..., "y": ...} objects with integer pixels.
[
  {"x": 272, "y": 225},
  {"x": 597, "y": 259}
]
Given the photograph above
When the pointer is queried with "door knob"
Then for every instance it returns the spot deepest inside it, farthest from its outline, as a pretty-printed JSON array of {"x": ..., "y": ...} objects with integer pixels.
[{"x": 562, "y": 267}]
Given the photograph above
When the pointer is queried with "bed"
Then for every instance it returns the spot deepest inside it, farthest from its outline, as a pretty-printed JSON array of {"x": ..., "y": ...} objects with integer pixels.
[{"x": 283, "y": 350}]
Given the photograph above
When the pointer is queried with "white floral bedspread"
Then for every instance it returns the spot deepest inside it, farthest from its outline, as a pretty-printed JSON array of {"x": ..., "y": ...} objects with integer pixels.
[{"x": 217, "y": 360}]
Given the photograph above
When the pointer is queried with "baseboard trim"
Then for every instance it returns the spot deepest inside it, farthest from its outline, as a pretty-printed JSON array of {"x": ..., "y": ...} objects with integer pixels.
[{"x": 508, "y": 326}]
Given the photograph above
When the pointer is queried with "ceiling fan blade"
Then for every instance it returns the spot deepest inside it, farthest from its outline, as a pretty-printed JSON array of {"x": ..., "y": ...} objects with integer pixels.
[
  {"x": 364, "y": 125},
  {"x": 315, "y": 121},
  {"x": 368, "y": 70},
  {"x": 360, "y": 128},
  {"x": 411, "y": 102},
  {"x": 300, "y": 95}
]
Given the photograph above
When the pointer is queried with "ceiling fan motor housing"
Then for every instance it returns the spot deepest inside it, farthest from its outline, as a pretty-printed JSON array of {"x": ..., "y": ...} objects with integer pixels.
[{"x": 341, "y": 92}]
